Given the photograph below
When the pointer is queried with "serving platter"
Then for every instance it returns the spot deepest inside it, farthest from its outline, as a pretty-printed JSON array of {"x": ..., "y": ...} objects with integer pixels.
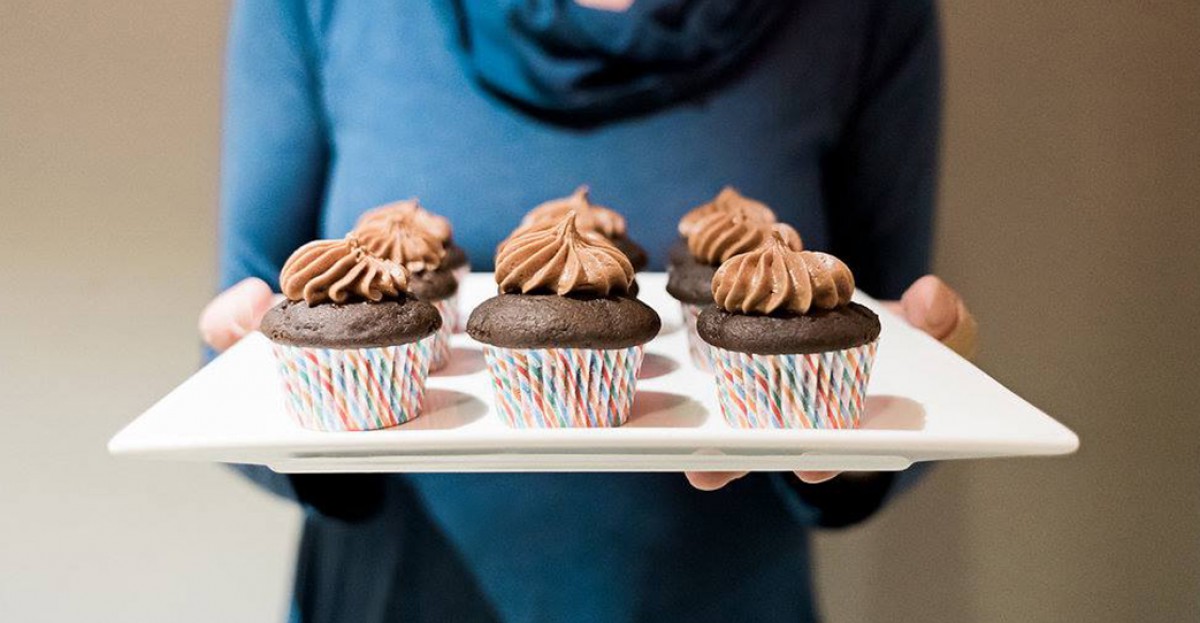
[{"x": 924, "y": 403}]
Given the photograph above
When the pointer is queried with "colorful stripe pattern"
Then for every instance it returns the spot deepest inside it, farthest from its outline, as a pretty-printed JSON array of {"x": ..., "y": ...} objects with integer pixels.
[
  {"x": 700, "y": 351},
  {"x": 821, "y": 390},
  {"x": 564, "y": 387},
  {"x": 440, "y": 356},
  {"x": 332, "y": 389},
  {"x": 460, "y": 319},
  {"x": 460, "y": 273}
]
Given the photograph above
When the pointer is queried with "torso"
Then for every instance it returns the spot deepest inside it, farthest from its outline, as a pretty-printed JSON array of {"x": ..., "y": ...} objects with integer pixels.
[{"x": 407, "y": 121}]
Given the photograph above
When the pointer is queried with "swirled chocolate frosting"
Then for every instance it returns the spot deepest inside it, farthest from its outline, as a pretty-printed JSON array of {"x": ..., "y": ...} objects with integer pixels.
[
  {"x": 562, "y": 260},
  {"x": 409, "y": 214},
  {"x": 408, "y": 245},
  {"x": 340, "y": 271},
  {"x": 726, "y": 200},
  {"x": 789, "y": 235},
  {"x": 722, "y": 234},
  {"x": 589, "y": 217},
  {"x": 775, "y": 278},
  {"x": 547, "y": 224}
]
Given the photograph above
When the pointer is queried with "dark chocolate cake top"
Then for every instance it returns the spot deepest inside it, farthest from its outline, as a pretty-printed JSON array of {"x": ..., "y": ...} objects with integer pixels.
[
  {"x": 361, "y": 324},
  {"x": 816, "y": 332},
  {"x": 572, "y": 321}
]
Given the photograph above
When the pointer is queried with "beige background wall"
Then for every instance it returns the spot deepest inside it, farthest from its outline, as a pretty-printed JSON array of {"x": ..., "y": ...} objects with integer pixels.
[{"x": 1069, "y": 220}]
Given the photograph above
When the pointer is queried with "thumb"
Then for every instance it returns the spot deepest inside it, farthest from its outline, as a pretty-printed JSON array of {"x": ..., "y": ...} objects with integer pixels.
[
  {"x": 932, "y": 306},
  {"x": 235, "y": 312},
  {"x": 935, "y": 308}
]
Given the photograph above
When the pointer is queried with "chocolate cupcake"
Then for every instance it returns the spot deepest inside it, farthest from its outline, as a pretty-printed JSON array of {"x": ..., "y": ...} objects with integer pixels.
[
  {"x": 591, "y": 218},
  {"x": 408, "y": 235},
  {"x": 790, "y": 348},
  {"x": 353, "y": 346},
  {"x": 714, "y": 232},
  {"x": 563, "y": 339}
]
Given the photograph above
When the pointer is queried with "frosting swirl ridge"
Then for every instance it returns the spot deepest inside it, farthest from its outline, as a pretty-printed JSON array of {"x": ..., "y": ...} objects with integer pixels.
[
  {"x": 414, "y": 248},
  {"x": 563, "y": 260},
  {"x": 589, "y": 216},
  {"x": 789, "y": 236},
  {"x": 340, "y": 271},
  {"x": 776, "y": 278},
  {"x": 724, "y": 234},
  {"x": 726, "y": 200},
  {"x": 410, "y": 214}
]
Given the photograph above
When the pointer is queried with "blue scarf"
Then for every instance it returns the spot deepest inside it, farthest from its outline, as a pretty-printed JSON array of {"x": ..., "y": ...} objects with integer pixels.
[{"x": 582, "y": 65}]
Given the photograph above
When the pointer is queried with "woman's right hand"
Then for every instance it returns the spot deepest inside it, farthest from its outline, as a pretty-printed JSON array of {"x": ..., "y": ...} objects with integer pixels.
[{"x": 234, "y": 313}]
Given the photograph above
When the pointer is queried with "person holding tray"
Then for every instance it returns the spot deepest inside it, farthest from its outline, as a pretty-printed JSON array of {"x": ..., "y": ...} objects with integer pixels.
[{"x": 826, "y": 110}]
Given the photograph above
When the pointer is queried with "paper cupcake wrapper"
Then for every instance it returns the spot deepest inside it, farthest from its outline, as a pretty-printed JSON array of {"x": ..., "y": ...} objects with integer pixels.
[
  {"x": 564, "y": 387},
  {"x": 460, "y": 320},
  {"x": 700, "y": 351},
  {"x": 820, "y": 390},
  {"x": 440, "y": 355},
  {"x": 461, "y": 273},
  {"x": 331, "y": 389}
]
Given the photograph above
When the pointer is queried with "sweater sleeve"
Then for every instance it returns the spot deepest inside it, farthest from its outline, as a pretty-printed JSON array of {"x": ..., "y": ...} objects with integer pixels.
[
  {"x": 880, "y": 181},
  {"x": 274, "y": 143},
  {"x": 275, "y": 153},
  {"x": 880, "y": 178}
]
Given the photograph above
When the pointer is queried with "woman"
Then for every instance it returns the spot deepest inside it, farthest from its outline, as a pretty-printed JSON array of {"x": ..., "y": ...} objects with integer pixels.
[{"x": 825, "y": 109}]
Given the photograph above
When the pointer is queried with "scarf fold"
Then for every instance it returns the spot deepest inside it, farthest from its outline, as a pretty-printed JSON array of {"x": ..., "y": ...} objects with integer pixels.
[{"x": 558, "y": 59}]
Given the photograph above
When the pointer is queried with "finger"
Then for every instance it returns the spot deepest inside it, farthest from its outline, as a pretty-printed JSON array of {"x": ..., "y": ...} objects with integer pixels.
[
  {"x": 711, "y": 481},
  {"x": 932, "y": 306},
  {"x": 616, "y": 6},
  {"x": 816, "y": 478},
  {"x": 234, "y": 313}
]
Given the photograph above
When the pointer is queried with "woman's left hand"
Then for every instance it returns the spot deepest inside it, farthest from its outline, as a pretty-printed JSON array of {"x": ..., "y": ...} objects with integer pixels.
[{"x": 929, "y": 305}]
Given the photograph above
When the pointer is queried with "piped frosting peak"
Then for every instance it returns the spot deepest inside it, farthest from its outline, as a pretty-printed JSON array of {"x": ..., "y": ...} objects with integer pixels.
[
  {"x": 340, "y": 271},
  {"x": 408, "y": 213},
  {"x": 776, "y": 277},
  {"x": 563, "y": 260},
  {"x": 589, "y": 216},
  {"x": 728, "y": 199}
]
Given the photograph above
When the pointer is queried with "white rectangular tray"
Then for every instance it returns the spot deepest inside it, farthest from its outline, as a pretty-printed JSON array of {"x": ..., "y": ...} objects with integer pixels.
[{"x": 925, "y": 403}]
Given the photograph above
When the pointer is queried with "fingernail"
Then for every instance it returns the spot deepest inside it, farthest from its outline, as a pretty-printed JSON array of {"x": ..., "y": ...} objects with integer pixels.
[{"x": 816, "y": 478}]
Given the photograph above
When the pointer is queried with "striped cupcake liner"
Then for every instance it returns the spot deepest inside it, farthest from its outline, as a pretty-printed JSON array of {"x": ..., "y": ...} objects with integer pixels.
[
  {"x": 700, "y": 351},
  {"x": 460, "y": 320},
  {"x": 440, "y": 355},
  {"x": 820, "y": 390},
  {"x": 331, "y": 389},
  {"x": 461, "y": 273},
  {"x": 564, "y": 387}
]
